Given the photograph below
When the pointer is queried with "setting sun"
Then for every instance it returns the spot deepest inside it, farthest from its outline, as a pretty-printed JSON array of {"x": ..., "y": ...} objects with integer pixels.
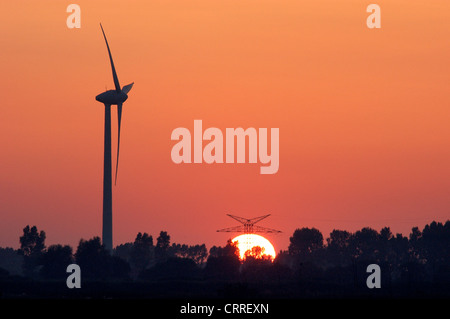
[{"x": 247, "y": 242}]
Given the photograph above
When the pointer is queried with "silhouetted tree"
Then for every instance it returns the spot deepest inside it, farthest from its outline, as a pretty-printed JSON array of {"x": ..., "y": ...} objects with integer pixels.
[
  {"x": 384, "y": 247},
  {"x": 415, "y": 243},
  {"x": 223, "y": 262},
  {"x": 97, "y": 264},
  {"x": 436, "y": 249},
  {"x": 364, "y": 244},
  {"x": 338, "y": 251},
  {"x": 93, "y": 258},
  {"x": 257, "y": 253},
  {"x": 55, "y": 261},
  {"x": 141, "y": 252},
  {"x": 231, "y": 249},
  {"x": 215, "y": 251},
  {"x": 124, "y": 251},
  {"x": 385, "y": 234},
  {"x": 32, "y": 245},
  {"x": 398, "y": 257},
  {"x": 178, "y": 250},
  {"x": 339, "y": 239},
  {"x": 308, "y": 268},
  {"x": 198, "y": 253},
  {"x": 306, "y": 246},
  {"x": 162, "y": 245},
  {"x": 304, "y": 241},
  {"x": 32, "y": 241}
]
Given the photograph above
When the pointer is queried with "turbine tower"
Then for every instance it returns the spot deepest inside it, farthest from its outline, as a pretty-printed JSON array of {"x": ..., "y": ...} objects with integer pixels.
[
  {"x": 248, "y": 226},
  {"x": 108, "y": 98}
]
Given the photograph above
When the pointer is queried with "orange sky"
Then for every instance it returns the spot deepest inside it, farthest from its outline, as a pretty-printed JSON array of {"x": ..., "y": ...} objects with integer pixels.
[{"x": 363, "y": 115}]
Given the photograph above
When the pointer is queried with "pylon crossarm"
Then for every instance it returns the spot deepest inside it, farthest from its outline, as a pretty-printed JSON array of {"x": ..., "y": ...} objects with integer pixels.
[
  {"x": 239, "y": 219},
  {"x": 258, "y": 219},
  {"x": 259, "y": 229},
  {"x": 236, "y": 229}
]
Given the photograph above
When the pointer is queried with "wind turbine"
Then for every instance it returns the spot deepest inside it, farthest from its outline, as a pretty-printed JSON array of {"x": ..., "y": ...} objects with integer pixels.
[{"x": 108, "y": 98}]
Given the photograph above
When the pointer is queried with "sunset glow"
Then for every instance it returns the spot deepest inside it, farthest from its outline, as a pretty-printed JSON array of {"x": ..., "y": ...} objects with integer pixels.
[
  {"x": 247, "y": 241},
  {"x": 362, "y": 116}
]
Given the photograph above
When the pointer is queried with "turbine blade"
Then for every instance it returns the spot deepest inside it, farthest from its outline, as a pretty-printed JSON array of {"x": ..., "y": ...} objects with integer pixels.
[
  {"x": 116, "y": 80},
  {"x": 119, "y": 117},
  {"x": 127, "y": 88}
]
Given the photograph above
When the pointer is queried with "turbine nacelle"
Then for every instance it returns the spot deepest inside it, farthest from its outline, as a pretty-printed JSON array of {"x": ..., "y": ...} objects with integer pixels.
[{"x": 112, "y": 97}]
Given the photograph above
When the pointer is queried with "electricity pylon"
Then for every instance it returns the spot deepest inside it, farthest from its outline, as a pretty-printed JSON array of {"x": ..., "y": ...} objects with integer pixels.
[{"x": 248, "y": 226}]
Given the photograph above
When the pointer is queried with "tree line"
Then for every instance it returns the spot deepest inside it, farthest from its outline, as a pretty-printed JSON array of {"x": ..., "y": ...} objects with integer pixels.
[{"x": 340, "y": 259}]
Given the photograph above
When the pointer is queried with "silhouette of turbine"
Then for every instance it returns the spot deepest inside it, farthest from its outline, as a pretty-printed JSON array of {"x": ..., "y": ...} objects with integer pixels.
[
  {"x": 108, "y": 98},
  {"x": 248, "y": 226}
]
